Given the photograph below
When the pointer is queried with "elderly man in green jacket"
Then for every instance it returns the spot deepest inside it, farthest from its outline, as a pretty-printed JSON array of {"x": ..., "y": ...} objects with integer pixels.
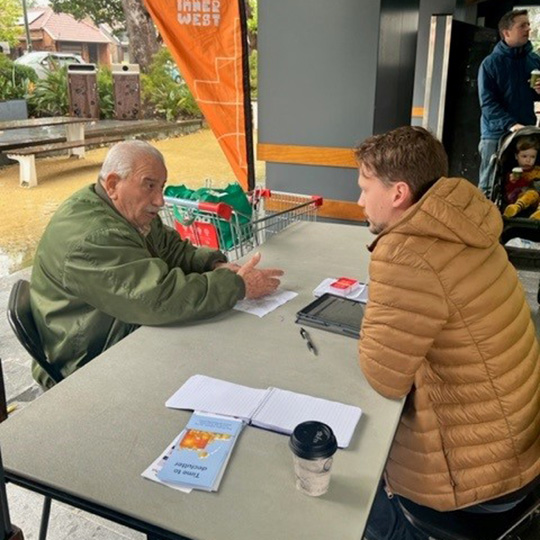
[{"x": 106, "y": 264}]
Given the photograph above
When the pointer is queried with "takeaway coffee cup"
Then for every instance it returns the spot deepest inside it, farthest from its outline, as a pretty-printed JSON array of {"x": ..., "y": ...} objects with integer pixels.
[
  {"x": 313, "y": 445},
  {"x": 535, "y": 75},
  {"x": 516, "y": 173}
]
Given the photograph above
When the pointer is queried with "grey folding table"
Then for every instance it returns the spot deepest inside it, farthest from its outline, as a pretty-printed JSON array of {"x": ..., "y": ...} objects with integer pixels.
[{"x": 87, "y": 440}]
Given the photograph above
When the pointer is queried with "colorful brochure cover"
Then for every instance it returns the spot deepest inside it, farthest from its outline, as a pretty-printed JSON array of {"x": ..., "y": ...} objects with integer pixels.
[{"x": 202, "y": 452}]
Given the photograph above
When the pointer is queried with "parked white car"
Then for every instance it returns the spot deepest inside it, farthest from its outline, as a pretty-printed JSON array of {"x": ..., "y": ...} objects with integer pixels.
[{"x": 43, "y": 61}]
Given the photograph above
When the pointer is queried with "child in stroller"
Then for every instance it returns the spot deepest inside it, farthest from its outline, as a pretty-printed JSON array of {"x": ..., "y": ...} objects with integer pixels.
[
  {"x": 521, "y": 186},
  {"x": 502, "y": 189},
  {"x": 508, "y": 183}
]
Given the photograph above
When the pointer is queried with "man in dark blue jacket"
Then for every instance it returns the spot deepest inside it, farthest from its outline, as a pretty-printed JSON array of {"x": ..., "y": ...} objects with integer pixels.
[{"x": 506, "y": 98}]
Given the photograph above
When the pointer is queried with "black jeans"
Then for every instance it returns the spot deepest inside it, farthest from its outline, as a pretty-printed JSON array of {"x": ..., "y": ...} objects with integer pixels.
[{"x": 387, "y": 521}]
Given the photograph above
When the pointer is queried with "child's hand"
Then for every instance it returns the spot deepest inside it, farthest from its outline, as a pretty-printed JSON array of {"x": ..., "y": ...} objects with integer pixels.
[{"x": 513, "y": 178}]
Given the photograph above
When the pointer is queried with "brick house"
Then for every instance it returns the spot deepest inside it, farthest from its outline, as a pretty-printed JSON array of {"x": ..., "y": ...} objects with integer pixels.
[{"x": 61, "y": 32}]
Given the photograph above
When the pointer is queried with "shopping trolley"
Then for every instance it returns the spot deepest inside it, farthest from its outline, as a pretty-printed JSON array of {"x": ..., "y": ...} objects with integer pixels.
[{"x": 220, "y": 226}]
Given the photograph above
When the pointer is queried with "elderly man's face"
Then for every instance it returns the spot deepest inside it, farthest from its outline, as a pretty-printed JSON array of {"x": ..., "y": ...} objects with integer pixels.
[{"x": 139, "y": 196}]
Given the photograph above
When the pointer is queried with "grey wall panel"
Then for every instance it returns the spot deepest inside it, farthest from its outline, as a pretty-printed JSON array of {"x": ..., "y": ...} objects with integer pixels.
[
  {"x": 397, "y": 52},
  {"x": 329, "y": 182},
  {"x": 317, "y": 71}
]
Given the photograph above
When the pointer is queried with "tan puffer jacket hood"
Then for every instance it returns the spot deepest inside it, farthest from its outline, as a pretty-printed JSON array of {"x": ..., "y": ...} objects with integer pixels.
[{"x": 447, "y": 323}]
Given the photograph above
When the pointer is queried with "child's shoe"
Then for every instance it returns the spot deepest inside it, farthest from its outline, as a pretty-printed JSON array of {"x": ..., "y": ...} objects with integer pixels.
[
  {"x": 512, "y": 210},
  {"x": 535, "y": 215}
]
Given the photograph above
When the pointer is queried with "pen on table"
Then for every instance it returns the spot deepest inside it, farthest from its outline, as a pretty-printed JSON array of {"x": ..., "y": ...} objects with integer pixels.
[{"x": 309, "y": 343}]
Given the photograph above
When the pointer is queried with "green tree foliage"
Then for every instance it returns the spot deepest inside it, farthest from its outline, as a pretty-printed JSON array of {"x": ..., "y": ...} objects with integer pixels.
[
  {"x": 9, "y": 31},
  {"x": 162, "y": 95},
  {"x": 100, "y": 11}
]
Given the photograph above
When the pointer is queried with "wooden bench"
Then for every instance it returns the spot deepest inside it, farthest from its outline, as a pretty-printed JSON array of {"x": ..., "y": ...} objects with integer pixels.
[{"x": 27, "y": 156}]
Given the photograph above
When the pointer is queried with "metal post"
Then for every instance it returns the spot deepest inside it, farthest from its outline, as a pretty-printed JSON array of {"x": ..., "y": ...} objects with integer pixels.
[{"x": 26, "y": 27}]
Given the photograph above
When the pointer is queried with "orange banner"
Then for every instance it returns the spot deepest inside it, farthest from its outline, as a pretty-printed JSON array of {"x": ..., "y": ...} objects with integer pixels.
[{"x": 207, "y": 40}]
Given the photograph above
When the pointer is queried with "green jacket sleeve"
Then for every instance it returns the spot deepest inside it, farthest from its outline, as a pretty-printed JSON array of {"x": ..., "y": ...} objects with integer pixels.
[
  {"x": 114, "y": 272},
  {"x": 181, "y": 253},
  {"x": 406, "y": 311}
]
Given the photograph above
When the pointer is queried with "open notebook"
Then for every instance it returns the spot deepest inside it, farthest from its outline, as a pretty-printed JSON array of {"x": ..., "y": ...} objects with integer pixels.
[{"x": 273, "y": 408}]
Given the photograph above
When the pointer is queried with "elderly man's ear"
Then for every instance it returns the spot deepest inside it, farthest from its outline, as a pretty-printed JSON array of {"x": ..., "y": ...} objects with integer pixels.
[{"x": 110, "y": 184}]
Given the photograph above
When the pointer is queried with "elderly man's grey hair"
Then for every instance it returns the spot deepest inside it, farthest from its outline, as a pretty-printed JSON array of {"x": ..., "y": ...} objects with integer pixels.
[{"x": 122, "y": 157}]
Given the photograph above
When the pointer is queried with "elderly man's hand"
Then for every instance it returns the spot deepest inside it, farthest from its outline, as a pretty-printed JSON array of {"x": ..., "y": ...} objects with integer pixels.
[
  {"x": 259, "y": 282},
  {"x": 233, "y": 267}
]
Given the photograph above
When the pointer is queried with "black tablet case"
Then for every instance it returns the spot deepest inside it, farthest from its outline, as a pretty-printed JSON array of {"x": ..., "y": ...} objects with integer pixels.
[{"x": 333, "y": 313}]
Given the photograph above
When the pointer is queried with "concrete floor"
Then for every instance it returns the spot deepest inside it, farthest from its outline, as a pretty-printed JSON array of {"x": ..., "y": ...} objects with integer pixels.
[{"x": 70, "y": 523}]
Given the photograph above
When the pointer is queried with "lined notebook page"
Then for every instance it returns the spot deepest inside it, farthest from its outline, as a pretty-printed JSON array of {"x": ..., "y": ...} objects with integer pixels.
[
  {"x": 206, "y": 394},
  {"x": 283, "y": 411}
]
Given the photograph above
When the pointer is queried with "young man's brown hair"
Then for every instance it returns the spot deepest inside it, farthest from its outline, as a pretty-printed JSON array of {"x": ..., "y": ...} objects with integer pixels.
[
  {"x": 507, "y": 20},
  {"x": 409, "y": 154}
]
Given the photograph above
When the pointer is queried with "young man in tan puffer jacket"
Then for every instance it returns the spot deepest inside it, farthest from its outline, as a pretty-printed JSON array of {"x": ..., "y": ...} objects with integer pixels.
[{"x": 448, "y": 326}]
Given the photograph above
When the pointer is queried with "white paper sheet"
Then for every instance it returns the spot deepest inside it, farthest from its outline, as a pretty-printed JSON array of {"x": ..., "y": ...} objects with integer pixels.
[
  {"x": 210, "y": 395},
  {"x": 283, "y": 411},
  {"x": 266, "y": 304}
]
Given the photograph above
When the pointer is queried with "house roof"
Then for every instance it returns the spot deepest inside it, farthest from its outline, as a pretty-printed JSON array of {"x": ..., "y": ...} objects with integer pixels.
[{"x": 64, "y": 27}]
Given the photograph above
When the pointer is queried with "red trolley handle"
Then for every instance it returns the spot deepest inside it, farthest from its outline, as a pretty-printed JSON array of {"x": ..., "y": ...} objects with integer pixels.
[{"x": 224, "y": 211}]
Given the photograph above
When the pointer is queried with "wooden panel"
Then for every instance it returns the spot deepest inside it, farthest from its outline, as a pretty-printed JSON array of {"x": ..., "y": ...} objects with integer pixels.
[
  {"x": 341, "y": 210},
  {"x": 307, "y": 155}
]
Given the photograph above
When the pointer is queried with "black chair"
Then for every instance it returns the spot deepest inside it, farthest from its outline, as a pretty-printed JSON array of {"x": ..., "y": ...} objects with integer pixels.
[
  {"x": 23, "y": 325},
  {"x": 462, "y": 525}
]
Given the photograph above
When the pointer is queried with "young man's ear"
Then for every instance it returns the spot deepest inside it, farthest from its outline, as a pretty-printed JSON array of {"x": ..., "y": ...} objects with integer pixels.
[
  {"x": 402, "y": 195},
  {"x": 110, "y": 184}
]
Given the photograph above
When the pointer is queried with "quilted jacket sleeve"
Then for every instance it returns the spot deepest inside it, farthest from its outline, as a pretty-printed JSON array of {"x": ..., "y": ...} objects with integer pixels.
[{"x": 406, "y": 311}]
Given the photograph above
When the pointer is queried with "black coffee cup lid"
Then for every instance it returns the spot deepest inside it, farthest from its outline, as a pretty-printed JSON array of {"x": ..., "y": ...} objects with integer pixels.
[{"x": 313, "y": 440}]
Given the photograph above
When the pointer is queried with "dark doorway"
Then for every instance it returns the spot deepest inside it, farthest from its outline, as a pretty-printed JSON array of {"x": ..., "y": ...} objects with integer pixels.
[{"x": 469, "y": 45}]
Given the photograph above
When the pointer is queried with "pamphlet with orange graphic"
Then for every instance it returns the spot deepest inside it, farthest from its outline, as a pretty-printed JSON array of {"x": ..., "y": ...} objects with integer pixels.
[{"x": 200, "y": 456}]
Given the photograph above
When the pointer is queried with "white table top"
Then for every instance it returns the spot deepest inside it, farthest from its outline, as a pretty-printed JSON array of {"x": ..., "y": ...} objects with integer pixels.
[{"x": 93, "y": 434}]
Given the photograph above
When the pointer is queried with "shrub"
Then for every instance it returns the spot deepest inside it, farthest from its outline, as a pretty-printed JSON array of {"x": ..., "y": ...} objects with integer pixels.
[
  {"x": 15, "y": 81},
  {"x": 50, "y": 95},
  {"x": 164, "y": 96},
  {"x": 106, "y": 93},
  {"x": 253, "y": 70}
]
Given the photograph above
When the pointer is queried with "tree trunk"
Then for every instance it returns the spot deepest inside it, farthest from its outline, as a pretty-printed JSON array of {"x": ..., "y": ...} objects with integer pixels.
[
  {"x": 142, "y": 34},
  {"x": 251, "y": 36}
]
